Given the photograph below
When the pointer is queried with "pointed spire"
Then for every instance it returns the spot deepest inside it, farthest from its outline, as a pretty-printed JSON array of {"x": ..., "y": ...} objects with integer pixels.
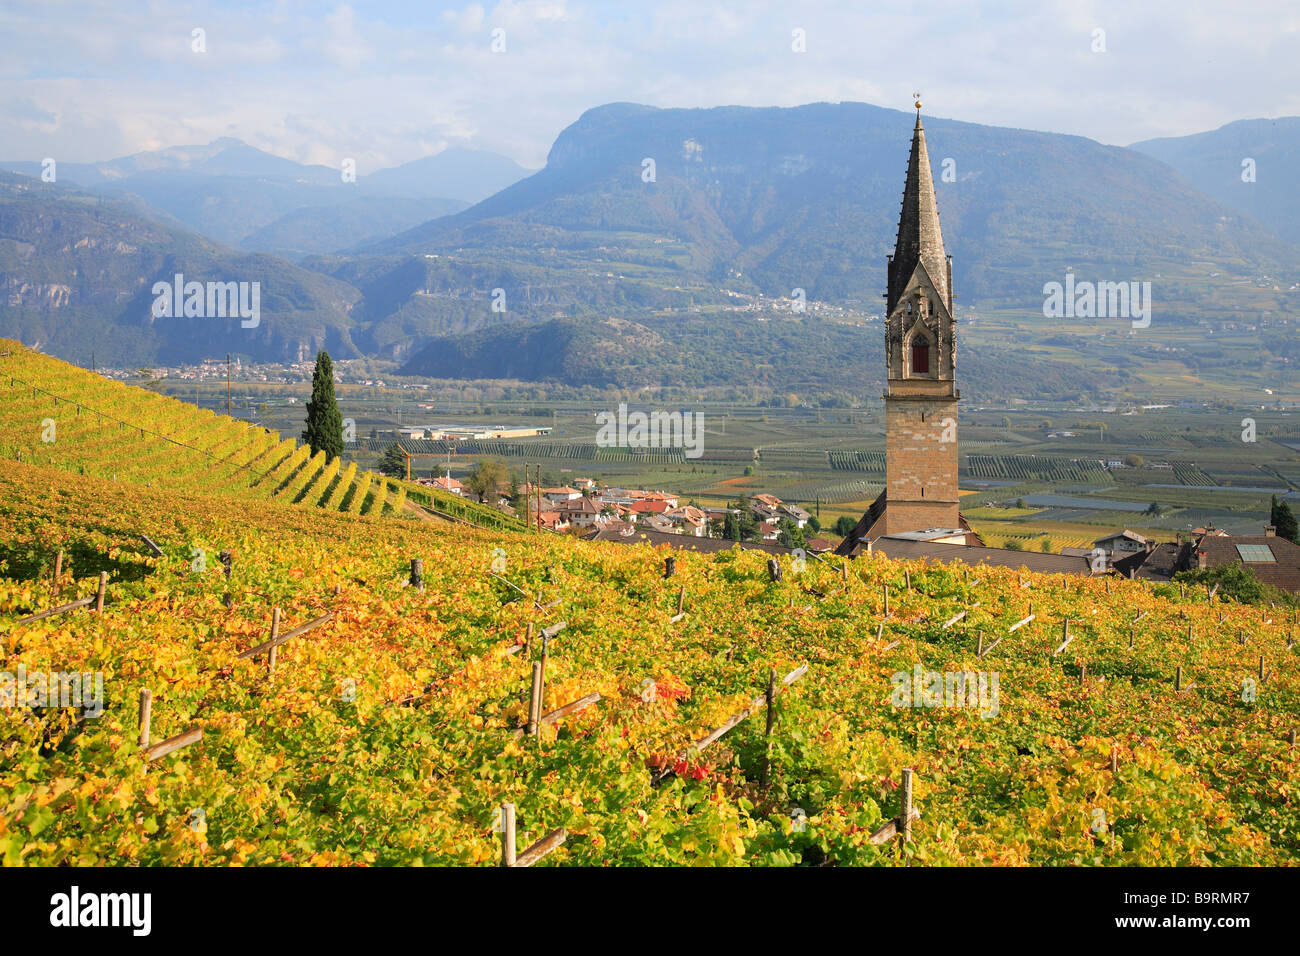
[{"x": 919, "y": 236}]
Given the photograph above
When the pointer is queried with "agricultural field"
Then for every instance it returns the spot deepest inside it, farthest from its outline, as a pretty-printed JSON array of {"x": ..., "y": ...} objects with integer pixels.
[
  {"x": 1151, "y": 729},
  {"x": 1194, "y": 463}
]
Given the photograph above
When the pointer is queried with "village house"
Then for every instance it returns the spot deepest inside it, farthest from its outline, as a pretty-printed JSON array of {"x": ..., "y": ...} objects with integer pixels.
[
  {"x": 446, "y": 483},
  {"x": 1275, "y": 561},
  {"x": 579, "y": 511},
  {"x": 689, "y": 520},
  {"x": 553, "y": 521},
  {"x": 648, "y": 507},
  {"x": 796, "y": 514},
  {"x": 557, "y": 495},
  {"x": 1121, "y": 543}
]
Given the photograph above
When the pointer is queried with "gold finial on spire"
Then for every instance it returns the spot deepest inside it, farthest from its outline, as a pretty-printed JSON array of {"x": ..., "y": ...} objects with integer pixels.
[{"x": 917, "y": 96}]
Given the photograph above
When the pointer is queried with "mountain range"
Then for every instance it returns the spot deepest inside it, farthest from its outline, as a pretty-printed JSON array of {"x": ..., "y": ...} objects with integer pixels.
[
  {"x": 1249, "y": 166},
  {"x": 237, "y": 194},
  {"x": 641, "y": 216}
]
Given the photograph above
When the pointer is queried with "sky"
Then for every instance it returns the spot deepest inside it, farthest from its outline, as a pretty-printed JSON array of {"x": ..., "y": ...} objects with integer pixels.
[{"x": 387, "y": 82}]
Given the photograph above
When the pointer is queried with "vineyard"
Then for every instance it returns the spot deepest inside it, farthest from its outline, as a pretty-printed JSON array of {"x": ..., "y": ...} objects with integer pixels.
[
  {"x": 316, "y": 700},
  {"x": 1189, "y": 473},
  {"x": 54, "y": 414},
  {"x": 834, "y": 492},
  {"x": 1036, "y": 468},
  {"x": 856, "y": 460}
]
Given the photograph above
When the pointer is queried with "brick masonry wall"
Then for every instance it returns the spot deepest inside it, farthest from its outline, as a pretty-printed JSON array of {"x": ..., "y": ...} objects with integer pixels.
[{"x": 917, "y": 459}]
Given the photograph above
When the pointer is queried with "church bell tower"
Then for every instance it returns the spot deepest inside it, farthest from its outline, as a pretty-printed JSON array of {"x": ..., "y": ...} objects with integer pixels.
[
  {"x": 921, "y": 396},
  {"x": 921, "y": 357}
]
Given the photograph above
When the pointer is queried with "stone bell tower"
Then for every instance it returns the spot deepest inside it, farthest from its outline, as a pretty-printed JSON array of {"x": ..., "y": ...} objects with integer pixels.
[
  {"x": 921, "y": 358},
  {"x": 920, "y": 381}
]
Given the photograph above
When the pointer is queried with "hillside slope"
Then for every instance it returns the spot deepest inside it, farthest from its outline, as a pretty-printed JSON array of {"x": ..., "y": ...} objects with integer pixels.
[
  {"x": 77, "y": 275},
  {"x": 1266, "y": 152},
  {"x": 385, "y": 735},
  {"x": 56, "y": 415}
]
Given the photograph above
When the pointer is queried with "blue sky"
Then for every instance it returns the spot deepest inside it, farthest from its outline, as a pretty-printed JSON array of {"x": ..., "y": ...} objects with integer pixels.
[{"x": 388, "y": 82}]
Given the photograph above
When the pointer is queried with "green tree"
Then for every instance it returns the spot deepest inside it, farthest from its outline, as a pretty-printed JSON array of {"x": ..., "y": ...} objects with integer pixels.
[
  {"x": 393, "y": 463},
  {"x": 488, "y": 478},
  {"x": 844, "y": 525},
  {"x": 1280, "y": 517},
  {"x": 748, "y": 524},
  {"x": 1134, "y": 461},
  {"x": 1239, "y": 582},
  {"x": 438, "y": 471},
  {"x": 790, "y": 534},
  {"x": 815, "y": 523},
  {"x": 324, "y": 431},
  {"x": 1153, "y": 509}
]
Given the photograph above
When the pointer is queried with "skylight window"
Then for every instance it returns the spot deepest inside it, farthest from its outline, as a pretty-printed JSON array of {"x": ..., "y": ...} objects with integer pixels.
[{"x": 1255, "y": 553}]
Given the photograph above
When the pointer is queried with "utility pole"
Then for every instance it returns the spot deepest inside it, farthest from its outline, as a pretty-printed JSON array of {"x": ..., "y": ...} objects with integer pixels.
[{"x": 227, "y": 384}]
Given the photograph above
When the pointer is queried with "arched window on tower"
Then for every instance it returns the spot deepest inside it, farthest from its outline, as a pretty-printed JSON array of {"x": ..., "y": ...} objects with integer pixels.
[{"x": 920, "y": 356}]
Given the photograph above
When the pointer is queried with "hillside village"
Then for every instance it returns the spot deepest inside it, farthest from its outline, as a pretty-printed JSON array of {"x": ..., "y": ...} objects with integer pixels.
[{"x": 585, "y": 506}]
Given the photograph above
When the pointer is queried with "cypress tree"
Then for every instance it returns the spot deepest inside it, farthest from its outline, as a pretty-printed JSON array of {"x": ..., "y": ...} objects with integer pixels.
[
  {"x": 1285, "y": 522},
  {"x": 324, "y": 431},
  {"x": 393, "y": 464}
]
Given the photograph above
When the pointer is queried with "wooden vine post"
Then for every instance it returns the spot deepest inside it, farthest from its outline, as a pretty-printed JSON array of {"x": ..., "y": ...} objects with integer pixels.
[
  {"x": 507, "y": 834},
  {"x": 146, "y": 708},
  {"x": 905, "y": 818},
  {"x": 417, "y": 573},
  {"x": 534, "y": 853},
  {"x": 275, "y": 633},
  {"x": 767, "y": 733},
  {"x": 535, "y": 699}
]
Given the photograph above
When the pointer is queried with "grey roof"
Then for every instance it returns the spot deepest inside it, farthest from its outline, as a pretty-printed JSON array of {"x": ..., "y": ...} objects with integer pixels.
[
  {"x": 1159, "y": 564},
  {"x": 999, "y": 557},
  {"x": 683, "y": 542},
  {"x": 1126, "y": 533},
  {"x": 929, "y": 534}
]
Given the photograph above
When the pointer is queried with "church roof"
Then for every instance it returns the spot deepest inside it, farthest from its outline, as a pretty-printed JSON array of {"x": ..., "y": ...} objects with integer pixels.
[
  {"x": 920, "y": 240},
  {"x": 871, "y": 526}
]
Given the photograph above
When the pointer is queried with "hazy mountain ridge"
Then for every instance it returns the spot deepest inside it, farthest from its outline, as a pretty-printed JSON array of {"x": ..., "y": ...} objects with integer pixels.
[
  {"x": 1266, "y": 151},
  {"x": 240, "y": 195},
  {"x": 77, "y": 273}
]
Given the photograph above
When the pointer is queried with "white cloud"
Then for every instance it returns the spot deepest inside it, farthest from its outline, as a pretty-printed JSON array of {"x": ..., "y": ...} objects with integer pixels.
[{"x": 320, "y": 81}]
